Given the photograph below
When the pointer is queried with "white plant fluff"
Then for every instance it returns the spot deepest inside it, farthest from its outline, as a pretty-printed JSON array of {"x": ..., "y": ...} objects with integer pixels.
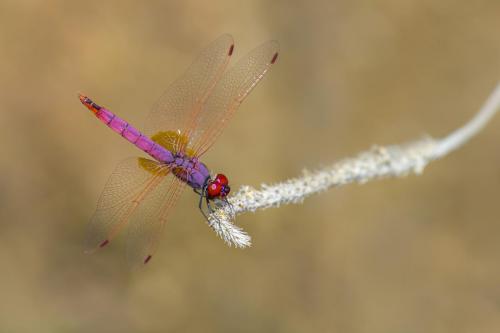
[{"x": 378, "y": 162}]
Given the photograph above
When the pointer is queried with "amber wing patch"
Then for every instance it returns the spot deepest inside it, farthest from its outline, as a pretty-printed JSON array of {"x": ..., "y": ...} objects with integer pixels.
[
  {"x": 153, "y": 167},
  {"x": 172, "y": 140}
]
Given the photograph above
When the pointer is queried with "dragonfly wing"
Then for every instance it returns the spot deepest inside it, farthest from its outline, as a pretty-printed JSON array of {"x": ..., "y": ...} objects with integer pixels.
[
  {"x": 229, "y": 93},
  {"x": 147, "y": 225},
  {"x": 128, "y": 186},
  {"x": 184, "y": 99}
]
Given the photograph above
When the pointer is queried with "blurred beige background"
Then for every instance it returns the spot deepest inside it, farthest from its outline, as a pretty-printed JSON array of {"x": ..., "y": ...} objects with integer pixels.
[{"x": 420, "y": 254}]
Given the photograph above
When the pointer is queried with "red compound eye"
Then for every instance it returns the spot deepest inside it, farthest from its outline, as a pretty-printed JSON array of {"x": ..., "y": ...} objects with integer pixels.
[
  {"x": 214, "y": 189},
  {"x": 221, "y": 179}
]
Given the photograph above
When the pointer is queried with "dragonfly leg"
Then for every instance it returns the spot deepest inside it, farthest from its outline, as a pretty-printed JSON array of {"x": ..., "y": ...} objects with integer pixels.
[
  {"x": 230, "y": 206},
  {"x": 209, "y": 206},
  {"x": 203, "y": 194},
  {"x": 200, "y": 204},
  {"x": 210, "y": 209}
]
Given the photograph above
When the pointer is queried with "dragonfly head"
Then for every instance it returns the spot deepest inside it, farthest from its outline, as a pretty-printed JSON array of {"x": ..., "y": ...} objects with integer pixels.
[{"x": 218, "y": 187}]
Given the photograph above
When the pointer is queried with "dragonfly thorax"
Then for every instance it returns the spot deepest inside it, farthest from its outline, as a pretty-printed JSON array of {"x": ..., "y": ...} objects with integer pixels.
[{"x": 190, "y": 170}]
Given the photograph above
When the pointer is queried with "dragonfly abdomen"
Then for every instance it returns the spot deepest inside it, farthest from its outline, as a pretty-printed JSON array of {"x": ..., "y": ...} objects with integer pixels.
[{"x": 129, "y": 132}]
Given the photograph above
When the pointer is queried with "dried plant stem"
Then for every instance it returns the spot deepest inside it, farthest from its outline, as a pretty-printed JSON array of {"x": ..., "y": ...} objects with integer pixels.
[{"x": 378, "y": 162}]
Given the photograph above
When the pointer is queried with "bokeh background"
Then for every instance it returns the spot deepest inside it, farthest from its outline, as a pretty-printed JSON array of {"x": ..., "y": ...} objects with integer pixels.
[{"x": 419, "y": 254}]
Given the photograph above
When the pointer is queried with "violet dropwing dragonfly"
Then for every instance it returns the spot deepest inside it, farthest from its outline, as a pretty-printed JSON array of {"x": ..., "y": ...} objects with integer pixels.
[{"x": 182, "y": 126}]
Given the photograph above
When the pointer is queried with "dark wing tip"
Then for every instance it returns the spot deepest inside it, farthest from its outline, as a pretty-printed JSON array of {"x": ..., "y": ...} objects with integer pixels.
[
  {"x": 275, "y": 56},
  {"x": 90, "y": 247},
  {"x": 230, "y": 52},
  {"x": 148, "y": 258}
]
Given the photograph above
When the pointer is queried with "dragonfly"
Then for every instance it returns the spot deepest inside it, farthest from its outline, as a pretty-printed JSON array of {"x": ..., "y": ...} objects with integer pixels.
[{"x": 181, "y": 127}]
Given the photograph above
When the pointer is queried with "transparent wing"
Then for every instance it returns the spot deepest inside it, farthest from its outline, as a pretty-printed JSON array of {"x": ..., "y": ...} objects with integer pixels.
[
  {"x": 183, "y": 100},
  {"x": 128, "y": 186},
  {"x": 147, "y": 224},
  {"x": 229, "y": 93}
]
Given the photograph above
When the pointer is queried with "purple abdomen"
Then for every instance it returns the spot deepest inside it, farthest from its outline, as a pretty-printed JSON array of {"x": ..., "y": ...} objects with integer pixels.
[
  {"x": 132, "y": 135},
  {"x": 186, "y": 168}
]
